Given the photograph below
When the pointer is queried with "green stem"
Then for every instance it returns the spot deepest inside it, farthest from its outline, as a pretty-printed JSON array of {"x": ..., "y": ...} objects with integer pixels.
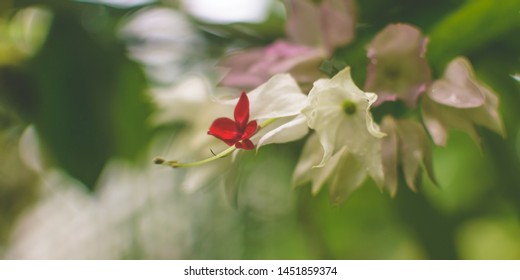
[
  {"x": 176, "y": 164},
  {"x": 266, "y": 123},
  {"x": 226, "y": 152}
]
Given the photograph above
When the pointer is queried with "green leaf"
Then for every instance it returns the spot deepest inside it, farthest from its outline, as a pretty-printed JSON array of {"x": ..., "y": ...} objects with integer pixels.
[
  {"x": 332, "y": 66},
  {"x": 475, "y": 24},
  {"x": 91, "y": 104}
]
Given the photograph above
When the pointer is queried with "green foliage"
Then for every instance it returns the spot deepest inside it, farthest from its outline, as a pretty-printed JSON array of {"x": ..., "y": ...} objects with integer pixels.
[
  {"x": 476, "y": 24},
  {"x": 85, "y": 97},
  {"x": 332, "y": 67}
]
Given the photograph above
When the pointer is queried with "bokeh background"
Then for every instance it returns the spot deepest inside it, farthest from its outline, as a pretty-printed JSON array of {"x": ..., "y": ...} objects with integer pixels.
[{"x": 77, "y": 140}]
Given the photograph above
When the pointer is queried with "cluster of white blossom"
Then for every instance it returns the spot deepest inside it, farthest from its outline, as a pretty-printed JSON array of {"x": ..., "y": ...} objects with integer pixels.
[{"x": 351, "y": 136}]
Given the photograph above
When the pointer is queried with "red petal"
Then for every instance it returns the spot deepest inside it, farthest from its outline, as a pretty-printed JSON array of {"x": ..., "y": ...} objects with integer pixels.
[
  {"x": 226, "y": 130},
  {"x": 250, "y": 130},
  {"x": 245, "y": 144},
  {"x": 242, "y": 111}
]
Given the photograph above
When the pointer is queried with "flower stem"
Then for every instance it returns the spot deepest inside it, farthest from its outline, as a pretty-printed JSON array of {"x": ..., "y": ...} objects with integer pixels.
[
  {"x": 176, "y": 164},
  {"x": 267, "y": 122},
  {"x": 226, "y": 152}
]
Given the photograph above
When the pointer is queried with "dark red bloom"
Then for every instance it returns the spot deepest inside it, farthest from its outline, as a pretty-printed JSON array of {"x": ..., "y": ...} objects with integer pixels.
[{"x": 239, "y": 131}]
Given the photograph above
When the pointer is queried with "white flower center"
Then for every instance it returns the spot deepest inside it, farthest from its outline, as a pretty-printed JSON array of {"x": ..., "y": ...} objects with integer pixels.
[{"x": 349, "y": 107}]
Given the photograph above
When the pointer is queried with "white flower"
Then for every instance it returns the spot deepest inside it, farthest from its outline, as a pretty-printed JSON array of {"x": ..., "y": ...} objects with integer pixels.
[
  {"x": 278, "y": 101},
  {"x": 339, "y": 112},
  {"x": 281, "y": 98},
  {"x": 516, "y": 77}
]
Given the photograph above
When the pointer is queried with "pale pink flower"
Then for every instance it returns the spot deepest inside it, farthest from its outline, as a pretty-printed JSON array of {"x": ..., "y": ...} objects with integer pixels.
[
  {"x": 397, "y": 66},
  {"x": 250, "y": 68},
  {"x": 459, "y": 101},
  {"x": 328, "y": 23},
  {"x": 406, "y": 146}
]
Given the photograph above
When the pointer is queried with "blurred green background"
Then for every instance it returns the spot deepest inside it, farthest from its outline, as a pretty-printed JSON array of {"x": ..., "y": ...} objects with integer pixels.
[{"x": 77, "y": 74}]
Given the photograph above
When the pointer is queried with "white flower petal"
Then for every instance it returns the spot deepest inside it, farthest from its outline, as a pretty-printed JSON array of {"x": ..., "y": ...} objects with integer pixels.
[
  {"x": 30, "y": 150},
  {"x": 324, "y": 173},
  {"x": 284, "y": 130},
  {"x": 372, "y": 127},
  {"x": 310, "y": 156},
  {"x": 180, "y": 101},
  {"x": 341, "y": 133},
  {"x": 343, "y": 80},
  {"x": 306, "y": 169},
  {"x": 328, "y": 134},
  {"x": 278, "y": 97},
  {"x": 349, "y": 175},
  {"x": 371, "y": 159},
  {"x": 334, "y": 127}
]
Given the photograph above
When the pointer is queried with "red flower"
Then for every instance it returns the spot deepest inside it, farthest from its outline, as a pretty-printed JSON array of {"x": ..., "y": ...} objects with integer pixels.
[{"x": 236, "y": 132}]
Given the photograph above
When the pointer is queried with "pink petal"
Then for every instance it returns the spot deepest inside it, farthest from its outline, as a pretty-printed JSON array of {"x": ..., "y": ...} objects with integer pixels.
[
  {"x": 303, "y": 22},
  {"x": 251, "y": 68},
  {"x": 241, "y": 74},
  {"x": 452, "y": 103},
  {"x": 330, "y": 23},
  {"x": 338, "y": 22},
  {"x": 459, "y": 87},
  {"x": 397, "y": 66},
  {"x": 389, "y": 154}
]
